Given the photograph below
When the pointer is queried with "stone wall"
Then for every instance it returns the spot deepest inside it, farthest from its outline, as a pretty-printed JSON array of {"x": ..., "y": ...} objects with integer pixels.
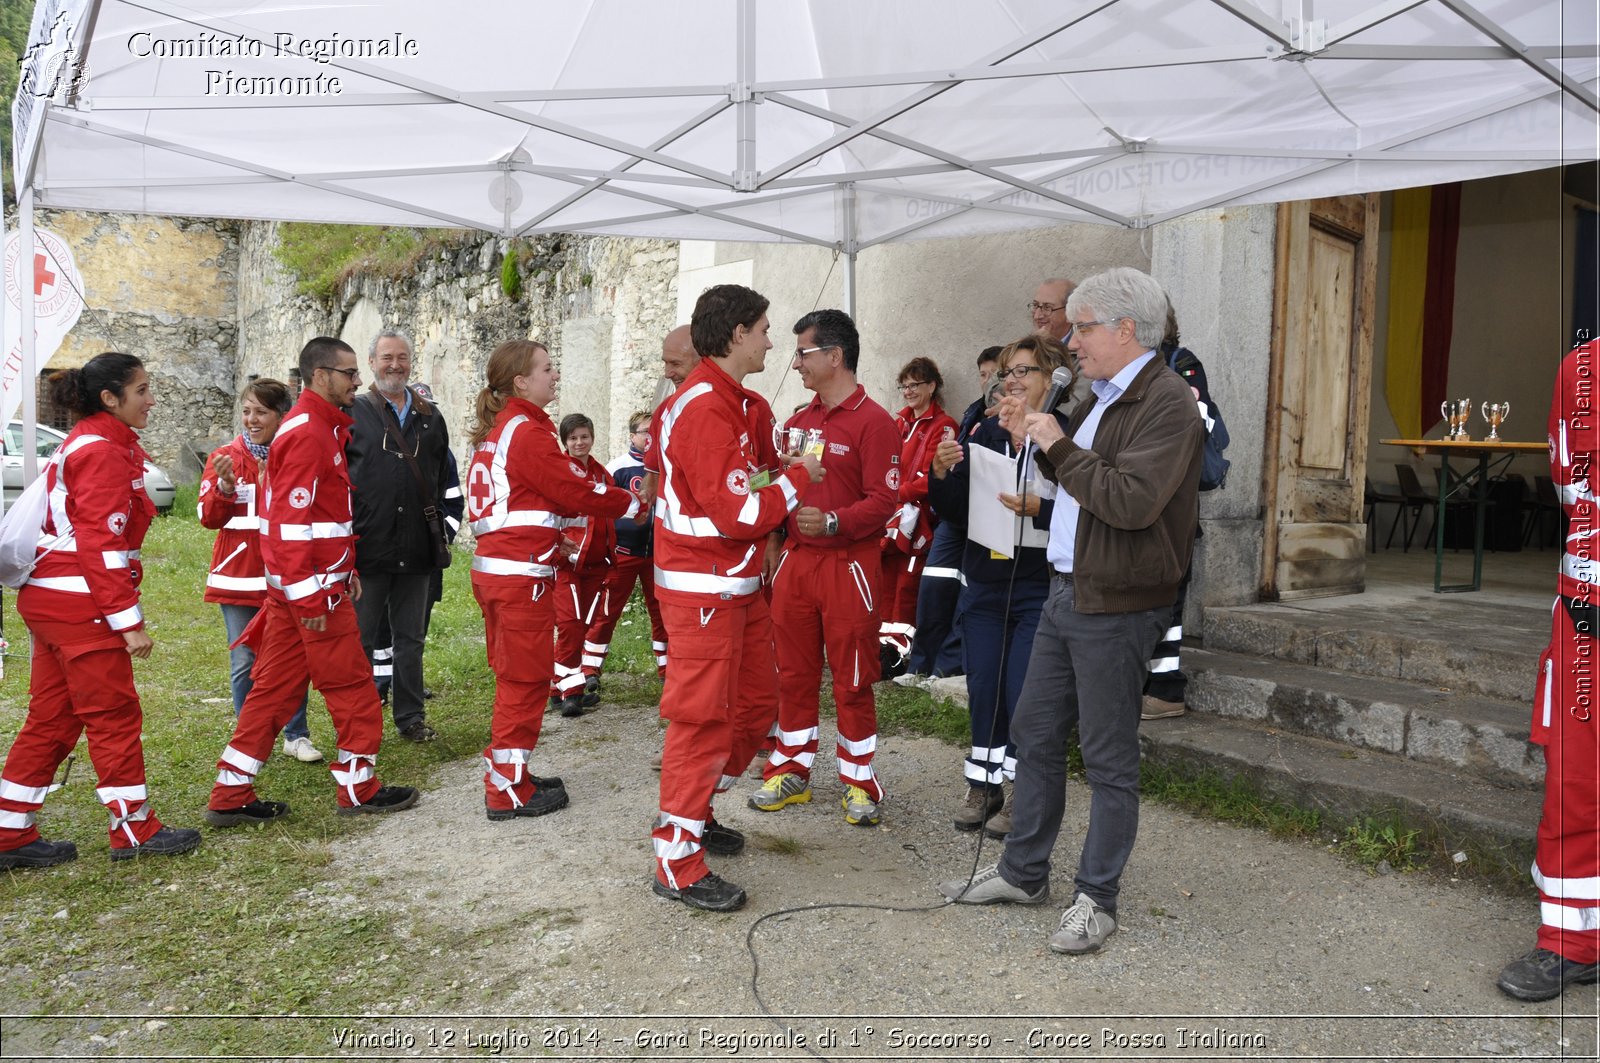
[
  {"x": 601, "y": 305},
  {"x": 163, "y": 289}
]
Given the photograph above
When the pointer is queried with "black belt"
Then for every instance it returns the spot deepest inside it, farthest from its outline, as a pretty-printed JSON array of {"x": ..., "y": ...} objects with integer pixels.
[{"x": 1064, "y": 577}]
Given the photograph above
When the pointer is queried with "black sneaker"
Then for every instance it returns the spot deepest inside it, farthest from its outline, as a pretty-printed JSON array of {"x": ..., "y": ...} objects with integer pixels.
[
  {"x": 553, "y": 782},
  {"x": 1542, "y": 975},
  {"x": 168, "y": 841},
  {"x": 419, "y": 732},
  {"x": 721, "y": 840},
  {"x": 427, "y": 694},
  {"x": 255, "y": 812},
  {"x": 38, "y": 853},
  {"x": 387, "y": 799},
  {"x": 545, "y": 800},
  {"x": 572, "y": 706},
  {"x": 713, "y": 893},
  {"x": 591, "y": 691}
]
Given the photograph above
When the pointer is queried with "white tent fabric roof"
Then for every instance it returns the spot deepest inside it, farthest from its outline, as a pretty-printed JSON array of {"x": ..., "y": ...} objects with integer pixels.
[{"x": 837, "y": 122}]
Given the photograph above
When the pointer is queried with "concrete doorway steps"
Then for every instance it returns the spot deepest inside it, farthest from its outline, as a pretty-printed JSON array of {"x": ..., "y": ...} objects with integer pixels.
[{"x": 1398, "y": 702}]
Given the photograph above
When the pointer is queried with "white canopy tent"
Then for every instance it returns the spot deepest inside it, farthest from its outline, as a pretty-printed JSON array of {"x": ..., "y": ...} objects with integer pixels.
[{"x": 844, "y": 123}]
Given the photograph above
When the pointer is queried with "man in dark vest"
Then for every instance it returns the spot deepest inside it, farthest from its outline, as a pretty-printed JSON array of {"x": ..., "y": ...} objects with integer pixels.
[{"x": 399, "y": 465}]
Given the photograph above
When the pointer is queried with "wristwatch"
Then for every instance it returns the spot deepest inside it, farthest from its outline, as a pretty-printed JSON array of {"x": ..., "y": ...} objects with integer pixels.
[{"x": 830, "y": 523}]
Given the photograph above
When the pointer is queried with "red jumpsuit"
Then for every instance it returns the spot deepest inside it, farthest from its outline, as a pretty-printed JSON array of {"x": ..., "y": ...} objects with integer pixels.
[
  {"x": 630, "y": 564},
  {"x": 1566, "y": 866},
  {"x": 580, "y": 582},
  {"x": 81, "y": 597},
  {"x": 910, "y": 528},
  {"x": 711, "y": 524},
  {"x": 519, "y": 487},
  {"x": 826, "y": 592},
  {"x": 308, "y": 550}
]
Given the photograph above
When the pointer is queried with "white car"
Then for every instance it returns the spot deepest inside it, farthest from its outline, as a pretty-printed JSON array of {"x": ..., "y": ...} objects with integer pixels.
[{"x": 157, "y": 484}]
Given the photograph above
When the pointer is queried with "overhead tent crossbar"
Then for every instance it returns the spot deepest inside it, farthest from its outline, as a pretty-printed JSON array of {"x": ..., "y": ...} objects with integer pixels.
[{"x": 763, "y": 124}]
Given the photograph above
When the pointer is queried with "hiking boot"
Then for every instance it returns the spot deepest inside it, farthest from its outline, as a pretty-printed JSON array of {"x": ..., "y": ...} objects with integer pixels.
[
  {"x": 1084, "y": 927},
  {"x": 427, "y": 694},
  {"x": 713, "y": 893},
  {"x": 720, "y": 840},
  {"x": 1540, "y": 975},
  {"x": 981, "y": 803},
  {"x": 780, "y": 790},
  {"x": 419, "y": 732},
  {"x": 591, "y": 692},
  {"x": 572, "y": 706},
  {"x": 168, "y": 841},
  {"x": 551, "y": 782},
  {"x": 302, "y": 750},
  {"x": 546, "y": 799},
  {"x": 999, "y": 824},
  {"x": 859, "y": 809},
  {"x": 257, "y": 811},
  {"x": 38, "y": 853},
  {"x": 987, "y": 887},
  {"x": 387, "y": 799},
  {"x": 1154, "y": 708}
]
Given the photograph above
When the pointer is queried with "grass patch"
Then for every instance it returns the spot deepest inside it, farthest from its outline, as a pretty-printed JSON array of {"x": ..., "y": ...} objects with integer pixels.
[
  {"x": 1379, "y": 842},
  {"x": 1227, "y": 798},
  {"x": 322, "y": 257}
]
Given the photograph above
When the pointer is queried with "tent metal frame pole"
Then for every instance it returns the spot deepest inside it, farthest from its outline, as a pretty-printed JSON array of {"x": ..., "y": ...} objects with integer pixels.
[
  {"x": 850, "y": 248},
  {"x": 1515, "y": 49},
  {"x": 745, "y": 175},
  {"x": 27, "y": 377}
]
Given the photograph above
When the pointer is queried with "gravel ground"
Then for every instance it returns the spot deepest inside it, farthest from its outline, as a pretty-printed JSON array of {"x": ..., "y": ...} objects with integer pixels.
[{"x": 1232, "y": 944}]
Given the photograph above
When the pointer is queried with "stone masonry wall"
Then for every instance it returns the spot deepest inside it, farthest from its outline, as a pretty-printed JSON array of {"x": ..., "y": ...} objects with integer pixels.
[
  {"x": 163, "y": 289},
  {"x": 602, "y": 305}
]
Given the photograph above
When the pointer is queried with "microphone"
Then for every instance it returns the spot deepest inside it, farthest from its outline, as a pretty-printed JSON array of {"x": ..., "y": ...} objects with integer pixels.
[{"x": 1060, "y": 384}]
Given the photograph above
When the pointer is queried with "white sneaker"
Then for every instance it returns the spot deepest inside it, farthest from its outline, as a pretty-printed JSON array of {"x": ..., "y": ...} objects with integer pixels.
[{"x": 302, "y": 750}]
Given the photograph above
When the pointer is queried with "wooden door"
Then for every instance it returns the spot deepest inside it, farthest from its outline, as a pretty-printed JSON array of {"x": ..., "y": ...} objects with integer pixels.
[{"x": 1319, "y": 393}]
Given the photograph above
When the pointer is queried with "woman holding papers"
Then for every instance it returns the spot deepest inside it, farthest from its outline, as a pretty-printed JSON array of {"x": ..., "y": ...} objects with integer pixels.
[{"x": 1005, "y": 589}]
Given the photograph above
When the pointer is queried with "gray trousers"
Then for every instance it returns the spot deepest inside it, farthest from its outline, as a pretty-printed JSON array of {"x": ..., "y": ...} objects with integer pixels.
[
  {"x": 402, "y": 598},
  {"x": 1087, "y": 671}
]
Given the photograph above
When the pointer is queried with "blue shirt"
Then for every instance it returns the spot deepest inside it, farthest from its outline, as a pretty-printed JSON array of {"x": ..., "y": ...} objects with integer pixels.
[
  {"x": 1064, "y": 522},
  {"x": 400, "y": 412}
]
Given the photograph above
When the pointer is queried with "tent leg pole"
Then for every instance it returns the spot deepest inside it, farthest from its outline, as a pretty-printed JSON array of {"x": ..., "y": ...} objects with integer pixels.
[
  {"x": 27, "y": 378},
  {"x": 850, "y": 285}
]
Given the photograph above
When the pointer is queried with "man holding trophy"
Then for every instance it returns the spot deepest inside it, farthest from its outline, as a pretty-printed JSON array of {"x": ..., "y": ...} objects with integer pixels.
[{"x": 825, "y": 585}]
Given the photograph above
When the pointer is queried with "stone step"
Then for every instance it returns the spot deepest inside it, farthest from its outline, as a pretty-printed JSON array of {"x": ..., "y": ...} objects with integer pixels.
[
  {"x": 1491, "y": 651},
  {"x": 1483, "y": 735},
  {"x": 1456, "y": 810}
]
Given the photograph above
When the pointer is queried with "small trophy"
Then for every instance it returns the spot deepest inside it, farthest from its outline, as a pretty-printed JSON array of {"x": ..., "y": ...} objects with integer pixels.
[
  {"x": 790, "y": 442},
  {"x": 1456, "y": 412},
  {"x": 1495, "y": 413}
]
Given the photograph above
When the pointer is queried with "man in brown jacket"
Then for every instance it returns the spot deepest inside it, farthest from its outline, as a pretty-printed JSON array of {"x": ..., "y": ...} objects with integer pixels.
[{"x": 1126, "y": 476}]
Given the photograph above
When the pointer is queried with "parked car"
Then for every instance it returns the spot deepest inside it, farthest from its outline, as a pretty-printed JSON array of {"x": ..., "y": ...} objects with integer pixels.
[{"x": 157, "y": 484}]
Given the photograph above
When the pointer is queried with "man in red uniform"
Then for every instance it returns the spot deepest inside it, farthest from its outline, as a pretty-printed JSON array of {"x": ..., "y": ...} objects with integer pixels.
[
  {"x": 1566, "y": 864},
  {"x": 711, "y": 521},
  {"x": 827, "y": 584},
  {"x": 307, "y": 630}
]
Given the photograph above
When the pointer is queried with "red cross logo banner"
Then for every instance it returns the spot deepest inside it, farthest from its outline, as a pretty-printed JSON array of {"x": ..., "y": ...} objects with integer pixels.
[{"x": 57, "y": 304}]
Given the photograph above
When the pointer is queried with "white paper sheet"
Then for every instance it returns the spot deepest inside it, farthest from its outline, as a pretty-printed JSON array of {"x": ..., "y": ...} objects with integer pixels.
[{"x": 989, "y": 522}]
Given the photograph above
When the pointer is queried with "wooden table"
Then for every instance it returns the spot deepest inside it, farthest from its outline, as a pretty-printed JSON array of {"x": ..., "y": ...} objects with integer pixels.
[{"x": 1472, "y": 484}]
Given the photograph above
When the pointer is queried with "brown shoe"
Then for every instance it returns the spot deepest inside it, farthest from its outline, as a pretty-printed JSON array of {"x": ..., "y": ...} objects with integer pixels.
[
  {"x": 981, "y": 802},
  {"x": 999, "y": 824},
  {"x": 1156, "y": 709}
]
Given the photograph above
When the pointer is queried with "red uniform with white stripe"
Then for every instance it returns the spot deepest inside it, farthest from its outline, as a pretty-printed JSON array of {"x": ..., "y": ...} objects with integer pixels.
[
  {"x": 629, "y": 565},
  {"x": 520, "y": 487},
  {"x": 910, "y": 528},
  {"x": 83, "y": 594},
  {"x": 236, "y": 576},
  {"x": 827, "y": 589},
  {"x": 711, "y": 526},
  {"x": 1566, "y": 866},
  {"x": 308, "y": 551},
  {"x": 580, "y": 581}
]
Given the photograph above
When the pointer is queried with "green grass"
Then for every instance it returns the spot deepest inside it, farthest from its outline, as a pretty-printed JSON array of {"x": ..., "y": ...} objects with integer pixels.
[{"x": 321, "y": 256}]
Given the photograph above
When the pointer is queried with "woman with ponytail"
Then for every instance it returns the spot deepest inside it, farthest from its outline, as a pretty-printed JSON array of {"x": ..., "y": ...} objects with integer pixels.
[
  {"x": 520, "y": 490},
  {"x": 81, "y": 605}
]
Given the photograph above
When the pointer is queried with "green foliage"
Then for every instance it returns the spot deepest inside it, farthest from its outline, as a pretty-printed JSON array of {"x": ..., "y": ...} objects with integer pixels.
[
  {"x": 1232, "y": 799},
  {"x": 16, "y": 19},
  {"x": 1373, "y": 842},
  {"x": 321, "y": 257},
  {"x": 510, "y": 277}
]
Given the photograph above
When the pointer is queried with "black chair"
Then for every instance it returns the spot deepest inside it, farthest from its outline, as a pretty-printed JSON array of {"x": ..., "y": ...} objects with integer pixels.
[
  {"x": 1541, "y": 511},
  {"x": 1373, "y": 497},
  {"x": 1415, "y": 500}
]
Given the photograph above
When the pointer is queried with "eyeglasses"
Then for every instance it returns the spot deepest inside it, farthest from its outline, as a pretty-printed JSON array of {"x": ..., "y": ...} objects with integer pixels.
[
  {"x": 1045, "y": 308},
  {"x": 909, "y": 385},
  {"x": 801, "y": 352},
  {"x": 349, "y": 374},
  {"x": 1019, "y": 372},
  {"x": 1083, "y": 326}
]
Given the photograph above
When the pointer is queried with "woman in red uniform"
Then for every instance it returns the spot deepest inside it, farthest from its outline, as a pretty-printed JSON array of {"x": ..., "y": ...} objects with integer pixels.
[
  {"x": 580, "y": 582},
  {"x": 520, "y": 486},
  {"x": 237, "y": 580},
  {"x": 923, "y": 424},
  {"x": 81, "y": 605}
]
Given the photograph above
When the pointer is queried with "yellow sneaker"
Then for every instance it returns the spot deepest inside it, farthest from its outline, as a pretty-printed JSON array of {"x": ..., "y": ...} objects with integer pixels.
[
  {"x": 780, "y": 790},
  {"x": 859, "y": 809}
]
